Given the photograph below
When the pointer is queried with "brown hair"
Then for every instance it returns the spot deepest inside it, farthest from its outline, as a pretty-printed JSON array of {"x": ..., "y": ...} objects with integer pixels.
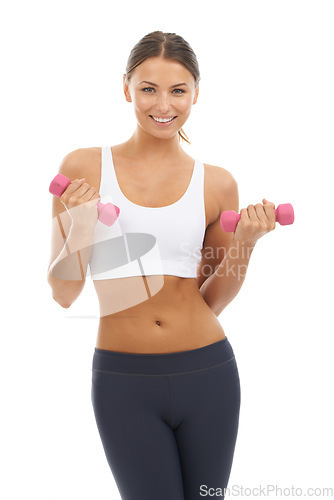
[{"x": 167, "y": 46}]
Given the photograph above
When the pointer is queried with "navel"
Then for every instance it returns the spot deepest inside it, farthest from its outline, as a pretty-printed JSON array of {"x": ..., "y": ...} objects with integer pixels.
[{"x": 158, "y": 323}]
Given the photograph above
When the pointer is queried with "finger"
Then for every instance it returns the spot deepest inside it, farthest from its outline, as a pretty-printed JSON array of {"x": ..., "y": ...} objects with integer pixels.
[
  {"x": 243, "y": 214},
  {"x": 252, "y": 213},
  {"x": 97, "y": 196},
  {"x": 73, "y": 186},
  {"x": 269, "y": 209},
  {"x": 83, "y": 188},
  {"x": 88, "y": 193},
  {"x": 266, "y": 202},
  {"x": 260, "y": 212}
]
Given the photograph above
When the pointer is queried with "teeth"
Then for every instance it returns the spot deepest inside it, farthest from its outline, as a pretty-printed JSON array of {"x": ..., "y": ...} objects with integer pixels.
[{"x": 162, "y": 119}]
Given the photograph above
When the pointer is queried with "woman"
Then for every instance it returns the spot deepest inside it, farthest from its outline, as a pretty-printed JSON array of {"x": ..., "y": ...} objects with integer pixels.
[{"x": 165, "y": 383}]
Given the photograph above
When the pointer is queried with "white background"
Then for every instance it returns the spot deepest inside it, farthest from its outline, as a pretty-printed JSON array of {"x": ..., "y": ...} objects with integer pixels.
[{"x": 265, "y": 113}]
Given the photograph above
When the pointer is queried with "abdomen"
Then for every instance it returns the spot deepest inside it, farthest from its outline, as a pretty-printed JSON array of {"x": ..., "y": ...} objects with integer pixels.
[{"x": 174, "y": 318}]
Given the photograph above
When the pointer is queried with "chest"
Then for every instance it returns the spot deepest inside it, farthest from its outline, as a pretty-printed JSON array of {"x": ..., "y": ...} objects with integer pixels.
[
  {"x": 153, "y": 189},
  {"x": 161, "y": 188}
]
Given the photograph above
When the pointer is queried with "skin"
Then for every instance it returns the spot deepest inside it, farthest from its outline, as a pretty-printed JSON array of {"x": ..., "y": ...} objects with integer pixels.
[{"x": 153, "y": 170}]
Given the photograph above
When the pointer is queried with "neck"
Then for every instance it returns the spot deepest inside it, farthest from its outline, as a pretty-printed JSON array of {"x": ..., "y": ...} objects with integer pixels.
[{"x": 152, "y": 149}]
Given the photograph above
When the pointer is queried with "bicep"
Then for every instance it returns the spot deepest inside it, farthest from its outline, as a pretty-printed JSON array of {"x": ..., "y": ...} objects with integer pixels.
[{"x": 216, "y": 241}]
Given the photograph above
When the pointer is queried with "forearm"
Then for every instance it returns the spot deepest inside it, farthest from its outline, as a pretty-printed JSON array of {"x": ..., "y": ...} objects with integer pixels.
[
  {"x": 225, "y": 282},
  {"x": 67, "y": 273}
]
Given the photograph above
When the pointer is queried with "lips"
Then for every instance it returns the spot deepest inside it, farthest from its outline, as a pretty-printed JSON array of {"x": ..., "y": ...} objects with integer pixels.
[{"x": 165, "y": 118}]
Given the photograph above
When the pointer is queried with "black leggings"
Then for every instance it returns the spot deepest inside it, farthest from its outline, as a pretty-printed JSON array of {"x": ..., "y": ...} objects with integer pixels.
[{"x": 168, "y": 422}]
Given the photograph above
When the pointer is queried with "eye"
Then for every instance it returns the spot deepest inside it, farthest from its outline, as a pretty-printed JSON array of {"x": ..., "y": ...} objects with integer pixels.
[{"x": 148, "y": 88}]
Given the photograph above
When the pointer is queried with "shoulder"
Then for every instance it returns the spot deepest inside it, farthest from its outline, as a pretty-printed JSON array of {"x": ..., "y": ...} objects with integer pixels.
[
  {"x": 79, "y": 159},
  {"x": 82, "y": 162},
  {"x": 223, "y": 185},
  {"x": 220, "y": 175}
]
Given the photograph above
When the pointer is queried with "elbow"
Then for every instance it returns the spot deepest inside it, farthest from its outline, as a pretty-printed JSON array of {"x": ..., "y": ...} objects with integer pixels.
[
  {"x": 218, "y": 310},
  {"x": 65, "y": 292},
  {"x": 64, "y": 305},
  {"x": 66, "y": 299}
]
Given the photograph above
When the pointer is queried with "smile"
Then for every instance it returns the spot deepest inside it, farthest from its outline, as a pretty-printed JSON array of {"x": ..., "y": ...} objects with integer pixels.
[{"x": 162, "y": 121}]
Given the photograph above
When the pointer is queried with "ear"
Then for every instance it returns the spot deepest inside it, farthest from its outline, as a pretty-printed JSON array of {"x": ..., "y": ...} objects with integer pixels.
[
  {"x": 126, "y": 89},
  {"x": 196, "y": 94}
]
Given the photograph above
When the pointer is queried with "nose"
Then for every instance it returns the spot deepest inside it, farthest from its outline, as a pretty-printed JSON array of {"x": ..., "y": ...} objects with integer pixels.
[{"x": 162, "y": 103}]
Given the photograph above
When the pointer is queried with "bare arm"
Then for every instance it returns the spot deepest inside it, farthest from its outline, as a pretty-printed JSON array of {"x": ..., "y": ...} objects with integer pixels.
[
  {"x": 224, "y": 284},
  {"x": 70, "y": 242},
  {"x": 67, "y": 273},
  {"x": 256, "y": 220},
  {"x": 229, "y": 265},
  {"x": 216, "y": 242}
]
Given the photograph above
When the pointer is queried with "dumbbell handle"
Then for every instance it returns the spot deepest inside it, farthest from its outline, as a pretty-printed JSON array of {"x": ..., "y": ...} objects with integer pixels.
[
  {"x": 107, "y": 212},
  {"x": 284, "y": 215}
]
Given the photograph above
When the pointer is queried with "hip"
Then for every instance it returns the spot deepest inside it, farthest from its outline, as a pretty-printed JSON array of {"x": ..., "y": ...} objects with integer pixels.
[
  {"x": 205, "y": 358},
  {"x": 193, "y": 380}
]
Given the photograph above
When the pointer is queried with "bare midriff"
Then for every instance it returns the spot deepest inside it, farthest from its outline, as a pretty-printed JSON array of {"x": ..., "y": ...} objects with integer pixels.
[{"x": 176, "y": 318}]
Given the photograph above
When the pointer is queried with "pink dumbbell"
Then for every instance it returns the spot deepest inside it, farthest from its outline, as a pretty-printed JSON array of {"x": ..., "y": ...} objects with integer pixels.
[
  {"x": 284, "y": 215},
  {"x": 107, "y": 212}
]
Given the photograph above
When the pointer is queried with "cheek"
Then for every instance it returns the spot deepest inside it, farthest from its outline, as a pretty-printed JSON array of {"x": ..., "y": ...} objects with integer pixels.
[
  {"x": 185, "y": 105},
  {"x": 141, "y": 103}
]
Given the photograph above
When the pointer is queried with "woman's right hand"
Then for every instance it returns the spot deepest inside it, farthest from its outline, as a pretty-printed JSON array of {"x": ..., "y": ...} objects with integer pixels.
[{"x": 80, "y": 200}]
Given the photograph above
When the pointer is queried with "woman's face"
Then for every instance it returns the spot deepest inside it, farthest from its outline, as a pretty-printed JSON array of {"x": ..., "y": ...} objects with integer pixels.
[{"x": 163, "y": 97}]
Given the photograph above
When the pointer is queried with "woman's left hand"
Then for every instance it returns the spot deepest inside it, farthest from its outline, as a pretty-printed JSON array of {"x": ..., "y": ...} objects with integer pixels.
[{"x": 255, "y": 221}]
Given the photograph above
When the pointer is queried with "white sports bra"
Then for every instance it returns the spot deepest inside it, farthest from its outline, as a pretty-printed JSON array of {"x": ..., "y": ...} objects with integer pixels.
[{"x": 148, "y": 240}]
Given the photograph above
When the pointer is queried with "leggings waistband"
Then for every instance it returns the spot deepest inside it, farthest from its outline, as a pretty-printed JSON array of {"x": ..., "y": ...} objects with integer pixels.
[{"x": 169, "y": 363}]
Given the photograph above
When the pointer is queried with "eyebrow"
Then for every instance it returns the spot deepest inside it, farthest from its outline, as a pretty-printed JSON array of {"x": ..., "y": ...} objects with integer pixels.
[{"x": 155, "y": 85}]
